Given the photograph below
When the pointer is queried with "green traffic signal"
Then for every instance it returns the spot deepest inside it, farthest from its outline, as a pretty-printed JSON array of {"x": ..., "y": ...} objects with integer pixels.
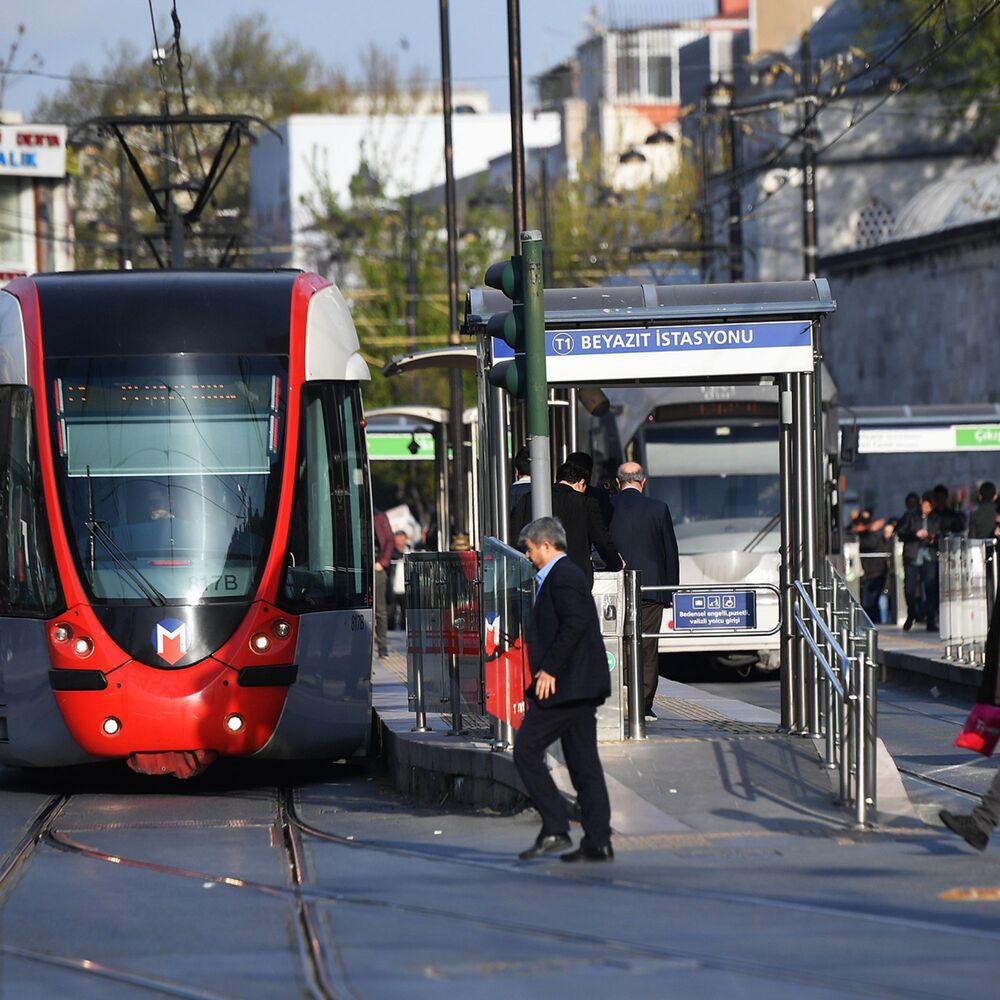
[
  {"x": 511, "y": 375},
  {"x": 507, "y": 277},
  {"x": 508, "y": 326}
]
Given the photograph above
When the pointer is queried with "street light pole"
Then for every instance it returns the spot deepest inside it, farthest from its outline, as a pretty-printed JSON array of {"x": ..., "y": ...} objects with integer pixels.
[
  {"x": 455, "y": 425},
  {"x": 720, "y": 96}
]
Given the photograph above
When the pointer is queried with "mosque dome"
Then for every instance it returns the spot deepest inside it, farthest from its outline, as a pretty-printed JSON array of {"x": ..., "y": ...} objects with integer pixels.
[{"x": 971, "y": 195}]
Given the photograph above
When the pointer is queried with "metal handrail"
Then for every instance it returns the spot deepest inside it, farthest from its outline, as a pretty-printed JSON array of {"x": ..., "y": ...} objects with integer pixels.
[
  {"x": 841, "y": 694},
  {"x": 838, "y": 687}
]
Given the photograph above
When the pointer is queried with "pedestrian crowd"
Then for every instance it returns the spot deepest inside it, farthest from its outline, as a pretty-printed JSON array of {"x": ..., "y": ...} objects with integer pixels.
[{"x": 925, "y": 521}]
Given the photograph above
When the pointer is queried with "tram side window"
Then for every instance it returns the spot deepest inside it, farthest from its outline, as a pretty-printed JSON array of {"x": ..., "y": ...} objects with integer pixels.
[
  {"x": 29, "y": 584},
  {"x": 329, "y": 562}
]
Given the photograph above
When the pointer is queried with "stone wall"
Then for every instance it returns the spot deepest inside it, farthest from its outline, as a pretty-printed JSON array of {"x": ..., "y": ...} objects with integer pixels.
[{"x": 916, "y": 323}]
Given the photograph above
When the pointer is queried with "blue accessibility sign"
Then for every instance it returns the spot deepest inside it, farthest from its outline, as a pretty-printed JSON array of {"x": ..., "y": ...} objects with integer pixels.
[{"x": 719, "y": 609}]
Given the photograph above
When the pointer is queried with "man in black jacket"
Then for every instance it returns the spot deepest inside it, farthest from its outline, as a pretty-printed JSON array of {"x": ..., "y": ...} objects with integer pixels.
[
  {"x": 643, "y": 532},
  {"x": 580, "y": 517},
  {"x": 919, "y": 531},
  {"x": 570, "y": 679}
]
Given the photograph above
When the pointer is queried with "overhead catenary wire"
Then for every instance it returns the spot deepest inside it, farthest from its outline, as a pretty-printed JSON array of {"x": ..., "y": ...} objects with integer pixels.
[{"x": 912, "y": 72}]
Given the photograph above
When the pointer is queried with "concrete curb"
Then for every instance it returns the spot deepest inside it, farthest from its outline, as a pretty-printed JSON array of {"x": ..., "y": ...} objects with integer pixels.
[
  {"x": 945, "y": 670},
  {"x": 433, "y": 775}
]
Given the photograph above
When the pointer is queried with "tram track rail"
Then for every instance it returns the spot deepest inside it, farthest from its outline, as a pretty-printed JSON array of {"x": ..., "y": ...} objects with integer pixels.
[
  {"x": 617, "y": 949},
  {"x": 25, "y": 847},
  {"x": 324, "y": 969}
]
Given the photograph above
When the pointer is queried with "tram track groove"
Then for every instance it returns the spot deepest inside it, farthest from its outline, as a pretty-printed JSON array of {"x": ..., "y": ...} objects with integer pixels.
[
  {"x": 310, "y": 940},
  {"x": 625, "y": 949},
  {"x": 25, "y": 847},
  {"x": 305, "y": 900}
]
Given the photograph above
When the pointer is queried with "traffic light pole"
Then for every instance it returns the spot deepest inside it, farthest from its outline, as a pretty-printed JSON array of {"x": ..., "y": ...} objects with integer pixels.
[{"x": 537, "y": 388}]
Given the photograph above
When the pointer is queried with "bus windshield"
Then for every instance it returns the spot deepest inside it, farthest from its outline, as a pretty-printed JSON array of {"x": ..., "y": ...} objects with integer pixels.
[
  {"x": 714, "y": 472},
  {"x": 169, "y": 471}
]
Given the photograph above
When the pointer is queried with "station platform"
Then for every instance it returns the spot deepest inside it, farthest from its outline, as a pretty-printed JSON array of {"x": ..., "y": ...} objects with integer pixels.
[
  {"x": 921, "y": 652},
  {"x": 713, "y": 772}
]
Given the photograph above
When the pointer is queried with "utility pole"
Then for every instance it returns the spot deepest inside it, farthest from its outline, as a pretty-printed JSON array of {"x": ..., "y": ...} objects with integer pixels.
[
  {"x": 412, "y": 289},
  {"x": 735, "y": 201},
  {"x": 456, "y": 427},
  {"x": 124, "y": 214},
  {"x": 707, "y": 229},
  {"x": 516, "y": 122},
  {"x": 810, "y": 134}
]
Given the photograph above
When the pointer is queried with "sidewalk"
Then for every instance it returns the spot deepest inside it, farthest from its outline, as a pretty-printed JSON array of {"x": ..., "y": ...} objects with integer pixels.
[
  {"x": 922, "y": 652},
  {"x": 712, "y": 771}
]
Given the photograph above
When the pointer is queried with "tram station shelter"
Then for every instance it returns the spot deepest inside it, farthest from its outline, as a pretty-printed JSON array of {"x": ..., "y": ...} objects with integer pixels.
[{"x": 765, "y": 334}]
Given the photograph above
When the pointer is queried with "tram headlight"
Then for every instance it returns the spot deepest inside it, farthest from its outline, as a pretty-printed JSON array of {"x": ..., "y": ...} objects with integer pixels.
[
  {"x": 281, "y": 629},
  {"x": 111, "y": 726},
  {"x": 62, "y": 632},
  {"x": 83, "y": 646},
  {"x": 260, "y": 643},
  {"x": 235, "y": 722}
]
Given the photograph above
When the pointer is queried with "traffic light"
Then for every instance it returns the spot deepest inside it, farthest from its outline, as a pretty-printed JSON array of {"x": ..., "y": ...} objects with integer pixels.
[{"x": 509, "y": 374}]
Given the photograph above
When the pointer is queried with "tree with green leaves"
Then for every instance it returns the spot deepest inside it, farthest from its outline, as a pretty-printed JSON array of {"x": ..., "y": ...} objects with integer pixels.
[
  {"x": 245, "y": 70},
  {"x": 943, "y": 47},
  {"x": 596, "y": 233}
]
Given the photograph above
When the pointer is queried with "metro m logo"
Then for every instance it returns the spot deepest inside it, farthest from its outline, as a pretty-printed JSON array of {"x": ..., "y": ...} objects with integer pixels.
[{"x": 170, "y": 639}]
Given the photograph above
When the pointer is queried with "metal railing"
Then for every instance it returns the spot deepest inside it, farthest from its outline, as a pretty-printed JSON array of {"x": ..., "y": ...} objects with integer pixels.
[
  {"x": 967, "y": 581},
  {"x": 508, "y": 592},
  {"x": 443, "y": 637},
  {"x": 841, "y": 694}
]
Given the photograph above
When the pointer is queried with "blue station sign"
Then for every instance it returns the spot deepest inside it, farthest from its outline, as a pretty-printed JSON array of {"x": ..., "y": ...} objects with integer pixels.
[
  {"x": 705, "y": 349},
  {"x": 720, "y": 609}
]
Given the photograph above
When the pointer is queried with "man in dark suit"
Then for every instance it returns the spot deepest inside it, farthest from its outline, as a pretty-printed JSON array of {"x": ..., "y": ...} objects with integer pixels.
[
  {"x": 581, "y": 519},
  {"x": 586, "y": 462},
  {"x": 571, "y": 678},
  {"x": 643, "y": 532},
  {"x": 522, "y": 480}
]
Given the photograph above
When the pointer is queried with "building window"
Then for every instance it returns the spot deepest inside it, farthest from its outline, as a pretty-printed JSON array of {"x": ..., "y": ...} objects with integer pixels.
[
  {"x": 628, "y": 66},
  {"x": 875, "y": 223},
  {"x": 661, "y": 77}
]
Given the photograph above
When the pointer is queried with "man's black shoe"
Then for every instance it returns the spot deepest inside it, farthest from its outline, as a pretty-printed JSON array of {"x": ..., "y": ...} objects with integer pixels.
[
  {"x": 383, "y": 652},
  {"x": 908, "y": 624},
  {"x": 605, "y": 853},
  {"x": 650, "y": 715},
  {"x": 965, "y": 827},
  {"x": 932, "y": 626},
  {"x": 546, "y": 844}
]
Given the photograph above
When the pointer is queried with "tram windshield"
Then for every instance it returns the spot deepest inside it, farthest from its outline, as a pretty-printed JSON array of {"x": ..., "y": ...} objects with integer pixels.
[
  {"x": 714, "y": 472},
  {"x": 169, "y": 469}
]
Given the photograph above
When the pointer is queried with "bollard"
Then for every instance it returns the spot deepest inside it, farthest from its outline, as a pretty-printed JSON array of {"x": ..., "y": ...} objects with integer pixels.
[
  {"x": 814, "y": 669},
  {"x": 845, "y": 720},
  {"x": 455, "y": 687},
  {"x": 420, "y": 707},
  {"x": 871, "y": 719},
  {"x": 832, "y": 716},
  {"x": 633, "y": 633},
  {"x": 860, "y": 756},
  {"x": 415, "y": 620}
]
